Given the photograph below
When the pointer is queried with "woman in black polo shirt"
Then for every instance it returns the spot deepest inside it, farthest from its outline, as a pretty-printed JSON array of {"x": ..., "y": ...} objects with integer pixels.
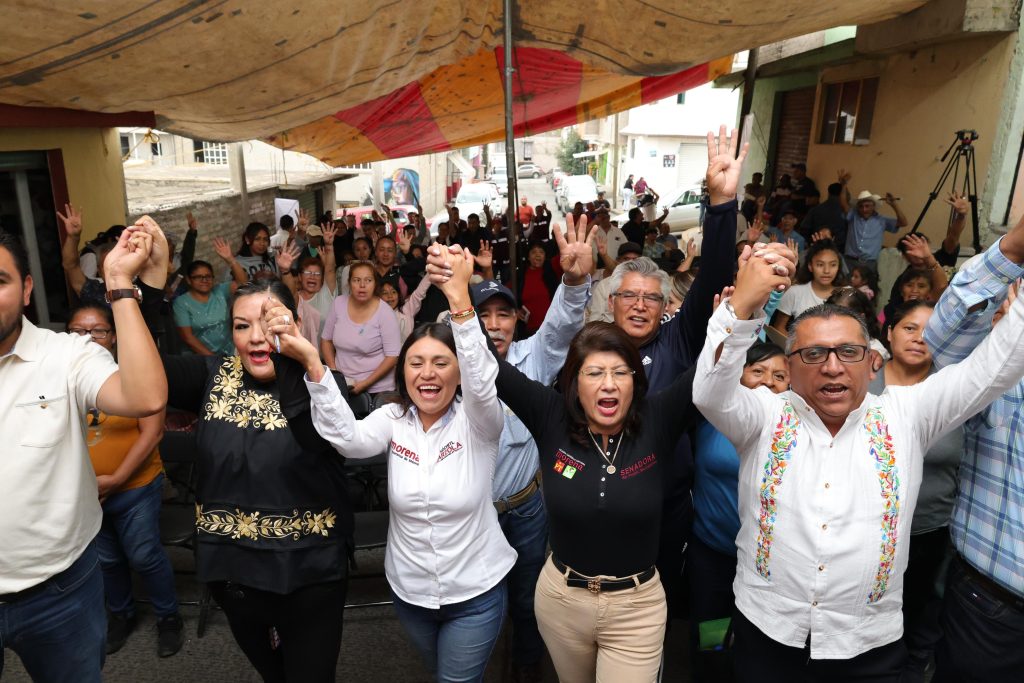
[{"x": 599, "y": 602}]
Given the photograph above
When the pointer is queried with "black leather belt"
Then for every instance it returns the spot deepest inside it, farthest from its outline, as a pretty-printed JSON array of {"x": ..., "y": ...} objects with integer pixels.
[
  {"x": 994, "y": 590},
  {"x": 574, "y": 579}
]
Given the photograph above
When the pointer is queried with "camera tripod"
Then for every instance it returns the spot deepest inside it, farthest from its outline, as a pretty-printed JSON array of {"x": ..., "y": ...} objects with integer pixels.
[{"x": 963, "y": 145}]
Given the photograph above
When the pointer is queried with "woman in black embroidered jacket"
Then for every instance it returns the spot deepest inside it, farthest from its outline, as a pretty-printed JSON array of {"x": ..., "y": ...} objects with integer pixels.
[{"x": 273, "y": 516}]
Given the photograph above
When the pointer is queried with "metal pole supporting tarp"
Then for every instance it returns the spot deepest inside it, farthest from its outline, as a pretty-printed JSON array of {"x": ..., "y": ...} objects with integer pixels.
[{"x": 510, "y": 151}]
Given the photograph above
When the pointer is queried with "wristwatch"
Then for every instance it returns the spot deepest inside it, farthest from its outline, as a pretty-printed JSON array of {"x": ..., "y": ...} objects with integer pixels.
[{"x": 113, "y": 295}]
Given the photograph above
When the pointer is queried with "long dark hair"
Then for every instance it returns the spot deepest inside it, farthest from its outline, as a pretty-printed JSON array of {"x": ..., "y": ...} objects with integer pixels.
[
  {"x": 858, "y": 302},
  {"x": 600, "y": 337},
  {"x": 906, "y": 308},
  {"x": 439, "y": 331},
  {"x": 804, "y": 275},
  {"x": 275, "y": 287},
  {"x": 249, "y": 235}
]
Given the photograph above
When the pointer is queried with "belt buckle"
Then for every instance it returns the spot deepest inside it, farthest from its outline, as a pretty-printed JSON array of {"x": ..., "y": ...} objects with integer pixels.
[{"x": 594, "y": 585}]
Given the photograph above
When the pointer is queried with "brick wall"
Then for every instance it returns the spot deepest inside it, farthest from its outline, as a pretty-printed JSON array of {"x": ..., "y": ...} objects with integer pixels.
[
  {"x": 217, "y": 217},
  {"x": 796, "y": 117}
]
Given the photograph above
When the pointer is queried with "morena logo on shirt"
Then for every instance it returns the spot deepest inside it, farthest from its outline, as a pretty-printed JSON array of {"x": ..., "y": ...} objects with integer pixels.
[
  {"x": 404, "y": 453},
  {"x": 451, "y": 447},
  {"x": 566, "y": 465}
]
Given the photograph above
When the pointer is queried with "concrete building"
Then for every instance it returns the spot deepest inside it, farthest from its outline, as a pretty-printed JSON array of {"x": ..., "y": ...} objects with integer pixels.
[
  {"x": 883, "y": 101},
  {"x": 666, "y": 142}
]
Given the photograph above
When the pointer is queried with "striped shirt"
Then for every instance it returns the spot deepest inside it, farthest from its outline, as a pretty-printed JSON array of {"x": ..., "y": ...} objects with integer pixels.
[{"x": 988, "y": 521}]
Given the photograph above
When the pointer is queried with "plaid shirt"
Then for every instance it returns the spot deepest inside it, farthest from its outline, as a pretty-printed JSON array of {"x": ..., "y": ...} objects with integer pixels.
[{"x": 988, "y": 520}]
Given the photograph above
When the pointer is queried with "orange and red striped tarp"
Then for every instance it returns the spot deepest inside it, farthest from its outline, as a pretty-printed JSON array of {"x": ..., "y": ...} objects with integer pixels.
[
  {"x": 461, "y": 105},
  {"x": 353, "y": 81}
]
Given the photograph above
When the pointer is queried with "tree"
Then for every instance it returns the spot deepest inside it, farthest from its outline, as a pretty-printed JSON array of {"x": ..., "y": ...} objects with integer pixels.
[{"x": 572, "y": 144}]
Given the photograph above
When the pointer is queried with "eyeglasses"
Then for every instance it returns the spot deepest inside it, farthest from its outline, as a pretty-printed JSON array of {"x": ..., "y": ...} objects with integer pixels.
[
  {"x": 95, "y": 333},
  {"x": 312, "y": 273},
  {"x": 630, "y": 298},
  {"x": 618, "y": 375},
  {"x": 816, "y": 355},
  {"x": 200, "y": 277}
]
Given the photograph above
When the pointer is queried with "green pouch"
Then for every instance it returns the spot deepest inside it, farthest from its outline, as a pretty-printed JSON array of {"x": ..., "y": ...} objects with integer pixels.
[{"x": 712, "y": 633}]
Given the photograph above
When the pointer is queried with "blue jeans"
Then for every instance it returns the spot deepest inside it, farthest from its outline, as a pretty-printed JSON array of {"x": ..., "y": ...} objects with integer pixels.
[
  {"x": 130, "y": 540},
  {"x": 456, "y": 640},
  {"x": 526, "y": 530},
  {"x": 60, "y": 632}
]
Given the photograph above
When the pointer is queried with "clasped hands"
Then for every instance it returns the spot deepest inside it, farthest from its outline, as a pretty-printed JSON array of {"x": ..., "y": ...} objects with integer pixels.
[{"x": 763, "y": 269}]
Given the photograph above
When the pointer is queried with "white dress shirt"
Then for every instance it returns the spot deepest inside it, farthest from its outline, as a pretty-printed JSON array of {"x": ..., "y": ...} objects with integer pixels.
[
  {"x": 825, "y": 520},
  {"x": 49, "y": 504},
  {"x": 444, "y": 542}
]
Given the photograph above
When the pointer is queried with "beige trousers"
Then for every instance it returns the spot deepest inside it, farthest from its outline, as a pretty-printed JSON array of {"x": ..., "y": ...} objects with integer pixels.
[{"x": 605, "y": 637}]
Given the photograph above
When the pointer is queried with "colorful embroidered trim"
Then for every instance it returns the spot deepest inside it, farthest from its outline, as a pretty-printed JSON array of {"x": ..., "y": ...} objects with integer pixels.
[
  {"x": 881, "y": 447},
  {"x": 783, "y": 443}
]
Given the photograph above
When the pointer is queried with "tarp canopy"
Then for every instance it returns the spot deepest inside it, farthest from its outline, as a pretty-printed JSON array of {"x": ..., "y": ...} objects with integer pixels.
[{"x": 352, "y": 81}]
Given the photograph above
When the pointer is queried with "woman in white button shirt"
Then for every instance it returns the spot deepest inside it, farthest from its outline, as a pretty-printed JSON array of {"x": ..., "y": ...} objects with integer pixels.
[{"x": 446, "y": 555}]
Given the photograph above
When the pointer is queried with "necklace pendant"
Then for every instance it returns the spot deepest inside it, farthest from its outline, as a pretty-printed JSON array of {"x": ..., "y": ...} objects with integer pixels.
[{"x": 610, "y": 469}]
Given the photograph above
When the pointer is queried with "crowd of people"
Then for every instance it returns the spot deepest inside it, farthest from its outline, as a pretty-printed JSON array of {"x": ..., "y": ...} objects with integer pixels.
[{"x": 747, "y": 434}]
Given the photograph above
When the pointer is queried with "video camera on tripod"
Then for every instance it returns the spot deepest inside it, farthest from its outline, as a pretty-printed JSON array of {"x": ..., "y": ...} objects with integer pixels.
[{"x": 963, "y": 145}]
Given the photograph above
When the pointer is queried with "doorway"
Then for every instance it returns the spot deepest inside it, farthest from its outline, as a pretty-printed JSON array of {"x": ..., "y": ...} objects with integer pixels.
[{"x": 28, "y": 209}]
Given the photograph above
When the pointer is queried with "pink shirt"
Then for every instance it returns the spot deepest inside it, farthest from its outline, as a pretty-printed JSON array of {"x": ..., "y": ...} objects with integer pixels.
[{"x": 361, "y": 348}]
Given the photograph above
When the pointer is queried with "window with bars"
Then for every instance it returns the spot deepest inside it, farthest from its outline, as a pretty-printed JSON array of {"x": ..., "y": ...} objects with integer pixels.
[
  {"x": 846, "y": 112},
  {"x": 215, "y": 153}
]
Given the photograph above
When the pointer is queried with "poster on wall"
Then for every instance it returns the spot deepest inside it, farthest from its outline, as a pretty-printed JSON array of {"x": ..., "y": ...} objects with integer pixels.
[
  {"x": 403, "y": 187},
  {"x": 668, "y": 161},
  {"x": 285, "y": 207}
]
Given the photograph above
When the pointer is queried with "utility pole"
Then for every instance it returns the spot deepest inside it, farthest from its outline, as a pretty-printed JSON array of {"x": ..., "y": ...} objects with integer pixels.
[
  {"x": 236, "y": 164},
  {"x": 615, "y": 161},
  {"x": 510, "y": 151}
]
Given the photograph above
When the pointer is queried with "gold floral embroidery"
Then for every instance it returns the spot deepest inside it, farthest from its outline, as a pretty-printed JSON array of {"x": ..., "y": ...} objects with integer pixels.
[
  {"x": 230, "y": 402},
  {"x": 255, "y": 525}
]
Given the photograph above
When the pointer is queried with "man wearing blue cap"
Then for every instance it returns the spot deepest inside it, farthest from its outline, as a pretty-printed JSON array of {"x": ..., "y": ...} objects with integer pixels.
[{"x": 515, "y": 486}]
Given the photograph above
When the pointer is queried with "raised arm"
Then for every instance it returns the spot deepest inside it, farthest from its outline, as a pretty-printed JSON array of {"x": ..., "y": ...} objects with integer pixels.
[
  {"x": 901, "y": 219},
  {"x": 477, "y": 367},
  {"x": 917, "y": 246},
  {"x": 188, "y": 247},
  {"x": 412, "y": 305},
  {"x": 739, "y": 413},
  {"x": 327, "y": 256},
  {"x": 72, "y": 221},
  {"x": 955, "y": 393},
  {"x": 568, "y": 306},
  {"x": 844, "y": 195},
  {"x": 964, "y": 313},
  {"x": 139, "y": 387},
  {"x": 238, "y": 275},
  {"x": 961, "y": 205},
  {"x": 718, "y": 250}
]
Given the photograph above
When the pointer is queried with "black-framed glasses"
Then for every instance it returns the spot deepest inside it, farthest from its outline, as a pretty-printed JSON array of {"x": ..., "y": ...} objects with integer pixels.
[
  {"x": 313, "y": 273},
  {"x": 630, "y": 298},
  {"x": 816, "y": 355},
  {"x": 95, "y": 333}
]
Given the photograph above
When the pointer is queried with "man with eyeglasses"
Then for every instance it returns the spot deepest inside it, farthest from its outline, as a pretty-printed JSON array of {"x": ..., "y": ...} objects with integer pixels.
[
  {"x": 829, "y": 477},
  {"x": 637, "y": 295}
]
